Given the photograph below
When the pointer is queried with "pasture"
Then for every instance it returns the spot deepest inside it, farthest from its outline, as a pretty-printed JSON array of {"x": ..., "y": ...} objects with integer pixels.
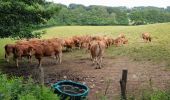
[{"x": 144, "y": 61}]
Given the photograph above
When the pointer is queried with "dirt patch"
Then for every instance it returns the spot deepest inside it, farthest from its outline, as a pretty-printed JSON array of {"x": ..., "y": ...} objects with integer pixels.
[{"x": 82, "y": 70}]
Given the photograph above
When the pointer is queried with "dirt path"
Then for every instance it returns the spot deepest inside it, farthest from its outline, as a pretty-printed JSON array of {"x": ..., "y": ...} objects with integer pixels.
[{"x": 82, "y": 70}]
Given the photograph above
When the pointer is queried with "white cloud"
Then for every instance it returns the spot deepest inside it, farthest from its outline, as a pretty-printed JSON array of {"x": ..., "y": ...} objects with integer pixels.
[{"x": 127, "y": 3}]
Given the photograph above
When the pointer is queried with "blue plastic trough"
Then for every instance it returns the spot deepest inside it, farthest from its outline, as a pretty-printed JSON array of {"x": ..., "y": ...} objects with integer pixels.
[{"x": 71, "y": 90}]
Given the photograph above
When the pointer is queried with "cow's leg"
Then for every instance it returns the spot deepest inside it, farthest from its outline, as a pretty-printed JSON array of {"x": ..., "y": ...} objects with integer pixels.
[
  {"x": 145, "y": 40},
  {"x": 70, "y": 48},
  {"x": 60, "y": 57},
  {"x": 93, "y": 59},
  {"x": 39, "y": 62},
  {"x": 30, "y": 59},
  {"x": 16, "y": 60},
  {"x": 100, "y": 62},
  {"x": 7, "y": 57}
]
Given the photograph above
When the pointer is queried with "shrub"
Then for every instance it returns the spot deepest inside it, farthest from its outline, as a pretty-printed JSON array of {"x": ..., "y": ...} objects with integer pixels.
[{"x": 16, "y": 89}]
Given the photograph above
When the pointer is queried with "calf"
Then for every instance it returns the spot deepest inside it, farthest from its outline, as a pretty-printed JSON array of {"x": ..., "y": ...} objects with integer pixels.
[
  {"x": 146, "y": 37},
  {"x": 97, "y": 50}
]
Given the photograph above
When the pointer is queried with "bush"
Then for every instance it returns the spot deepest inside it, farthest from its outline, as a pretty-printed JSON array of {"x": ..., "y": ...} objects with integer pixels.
[{"x": 16, "y": 89}]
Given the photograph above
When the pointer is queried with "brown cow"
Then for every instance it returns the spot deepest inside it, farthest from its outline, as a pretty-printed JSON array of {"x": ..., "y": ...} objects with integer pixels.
[
  {"x": 21, "y": 50},
  {"x": 46, "y": 49},
  {"x": 9, "y": 49},
  {"x": 85, "y": 40},
  {"x": 69, "y": 44},
  {"x": 118, "y": 42},
  {"x": 77, "y": 41},
  {"x": 146, "y": 37},
  {"x": 97, "y": 50}
]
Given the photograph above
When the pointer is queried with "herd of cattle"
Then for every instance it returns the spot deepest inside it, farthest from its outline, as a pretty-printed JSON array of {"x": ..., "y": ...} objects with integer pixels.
[{"x": 53, "y": 47}]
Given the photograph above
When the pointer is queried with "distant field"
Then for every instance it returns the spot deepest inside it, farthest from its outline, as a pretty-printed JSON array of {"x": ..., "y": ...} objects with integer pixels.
[{"x": 158, "y": 50}]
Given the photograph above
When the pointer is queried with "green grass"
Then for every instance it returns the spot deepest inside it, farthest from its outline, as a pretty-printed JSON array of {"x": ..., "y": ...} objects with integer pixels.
[{"x": 157, "y": 51}]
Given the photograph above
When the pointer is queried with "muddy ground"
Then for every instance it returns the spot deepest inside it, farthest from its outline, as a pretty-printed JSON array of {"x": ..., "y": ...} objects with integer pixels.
[{"x": 140, "y": 74}]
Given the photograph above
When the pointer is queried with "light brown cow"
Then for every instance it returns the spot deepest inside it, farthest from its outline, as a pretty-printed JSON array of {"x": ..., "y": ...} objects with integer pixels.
[
  {"x": 21, "y": 50},
  {"x": 69, "y": 44},
  {"x": 77, "y": 41},
  {"x": 97, "y": 50},
  {"x": 146, "y": 37},
  {"x": 85, "y": 40},
  {"x": 118, "y": 42},
  {"x": 46, "y": 49}
]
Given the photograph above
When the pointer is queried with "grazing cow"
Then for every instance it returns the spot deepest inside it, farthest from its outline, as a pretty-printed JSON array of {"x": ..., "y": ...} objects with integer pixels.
[
  {"x": 85, "y": 40},
  {"x": 118, "y": 42},
  {"x": 124, "y": 40},
  {"x": 77, "y": 41},
  {"x": 97, "y": 50},
  {"x": 69, "y": 44},
  {"x": 46, "y": 49},
  {"x": 146, "y": 37},
  {"x": 122, "y": 35},
  {"x": 9, "y": 49}
]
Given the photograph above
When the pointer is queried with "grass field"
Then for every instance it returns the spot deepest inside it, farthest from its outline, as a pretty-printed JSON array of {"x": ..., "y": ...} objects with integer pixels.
[{"x": 157, "y": 51}]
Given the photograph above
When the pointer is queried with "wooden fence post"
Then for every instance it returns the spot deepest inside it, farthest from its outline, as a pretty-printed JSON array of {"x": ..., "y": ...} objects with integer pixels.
[
  {"x": 123, "y": 84},
  {"x": 41, "y": 75}
]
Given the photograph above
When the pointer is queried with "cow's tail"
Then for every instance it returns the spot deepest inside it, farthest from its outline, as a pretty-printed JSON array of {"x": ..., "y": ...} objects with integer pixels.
[
  {"x": 97, "y": 49},
  {"x": 99, "y": 46}
]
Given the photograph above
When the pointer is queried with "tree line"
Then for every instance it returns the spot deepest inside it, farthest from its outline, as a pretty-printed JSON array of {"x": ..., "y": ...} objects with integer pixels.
[
  {"x": 19, "y": 18},
  {"x": 77, "y": 14}
]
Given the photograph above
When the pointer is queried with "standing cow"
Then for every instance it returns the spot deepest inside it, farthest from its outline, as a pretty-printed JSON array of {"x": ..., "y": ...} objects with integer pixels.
[
  {"x": 97, "y": 50},
  {"x": 46, "y": 49},
  {"x": 146, "y": 37}
]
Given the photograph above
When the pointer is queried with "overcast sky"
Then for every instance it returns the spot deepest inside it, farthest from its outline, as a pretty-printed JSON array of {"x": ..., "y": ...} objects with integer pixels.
[{"x": 127, "y": 3}]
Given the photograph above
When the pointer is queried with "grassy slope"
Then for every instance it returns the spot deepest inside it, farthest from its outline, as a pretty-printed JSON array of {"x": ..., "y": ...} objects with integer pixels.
[{"x": 158, "y": 50}]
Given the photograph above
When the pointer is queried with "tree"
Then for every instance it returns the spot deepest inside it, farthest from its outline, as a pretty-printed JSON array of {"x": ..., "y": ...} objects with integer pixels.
[{"x": 18, "y": 17}]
